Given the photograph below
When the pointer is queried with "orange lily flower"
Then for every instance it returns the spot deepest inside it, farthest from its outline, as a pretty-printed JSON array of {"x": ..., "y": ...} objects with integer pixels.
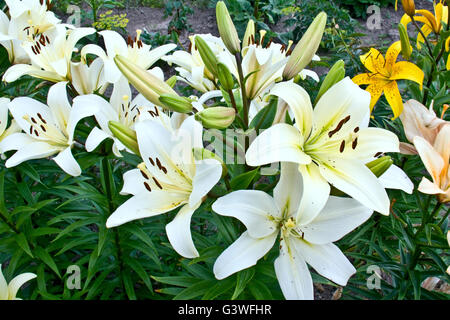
[
  {"x": 431, "y": 22},
  {"x": 384, "y": 74},
  {"x": 436, "y": 160}
]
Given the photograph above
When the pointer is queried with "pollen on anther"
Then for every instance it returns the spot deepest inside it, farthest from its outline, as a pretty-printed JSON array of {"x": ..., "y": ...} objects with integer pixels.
[
  {"x": 354, "y": 143},
  {"x": 147, "y": 186},
  {"x": 151, "y": 161},
  {"x": 342, "y": 147},
  {"x": 157, "y": 183}
]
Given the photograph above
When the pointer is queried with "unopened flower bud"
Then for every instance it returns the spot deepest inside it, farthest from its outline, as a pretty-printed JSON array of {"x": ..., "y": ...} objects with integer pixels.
[
  {"x": 249, "y": 32},
  {"x": 208, "y": 56},
  {"x": 336, "y": 74},
  {"x": 306, "y": 48},
  {"x": 225, "y": 77},
  {"x": 150, "y": 86},
  {"x": 172, "y": 81},
  {"x": 176, "y": 103},
  {"x": 216, "y": 117},
  {"x": 404, "y": 40},
  {"x": 409, "y": 7},
  {"x": 125, "y": 135},
  {"x": 380, "y": 165},
  {"x": 227, "y": 29},
  {"x": 202, "y": 153}
]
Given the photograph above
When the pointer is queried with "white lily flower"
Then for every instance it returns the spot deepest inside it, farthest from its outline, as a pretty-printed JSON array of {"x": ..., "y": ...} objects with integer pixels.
[
  {"x": 9, "y": 291},
  {"x": 302, "y": 240},
  {"x": 29, "y": 19},
  {"x": 331, "y": 143},
  {"x": 168, "y": 178},
  {"x": 121, "y": 108},
  {"x": 191, "y": 68},
  {"x": 134, "y": 50},
  {"x": 261, "y": 66},
  {"x": 87, "y": 79},
  {"x": 49, "y": 129},
  {"x": 50, "y": 55},
  {"x": 13, "y": 127}
]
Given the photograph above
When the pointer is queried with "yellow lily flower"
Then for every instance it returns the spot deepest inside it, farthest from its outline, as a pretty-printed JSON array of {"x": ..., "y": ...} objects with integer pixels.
[
  {"x": 383, "y": 76},
  {"x": 431, "y": 22}
]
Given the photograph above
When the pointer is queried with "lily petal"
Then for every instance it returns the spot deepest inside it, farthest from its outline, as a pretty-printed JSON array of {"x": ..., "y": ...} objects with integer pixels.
[
  {"x": 67, "y": 162},
  {"x": 18, "y": 282},
  {"x": 339, "y": 217},
  {"x": 288, "y": 191},
  {"x": 243, "y": 253},
  {"x": 327, "y": 259},
  {"x": 394, "y": 98},
  {"x": 95, "y": 137},
  {"x": 293, "y": 275},
  {"x": 34, "y": 150},
  {"x": 408, "y": 71},
  {"x": 207, "y": 174},
  {"x": 179, "y": 232},
  {"x": 299, "y": 102},
  {"x": 145, "y": 205},
  {"x": 355, "y": 179},
  {"x": 253, "y": 208},
  {"x": 396, "y": 178},
  {"x": 133, "y": 182},
  {"x": 430, "y": 157},
  {"x": 282, "y": 142}
]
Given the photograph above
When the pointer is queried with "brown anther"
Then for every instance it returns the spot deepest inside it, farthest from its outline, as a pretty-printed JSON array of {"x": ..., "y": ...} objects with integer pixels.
[
  {"x": 269, "y": 43},
  {"x": 36, "y": 133},
  {"x": 151, "y": 161},
  {"x": 356, "y": 130},
  {"x": 339, "y": 126},
  {"x": 158, "y": 163},
  {"x": 144, "y": 174},
  {"x": 342, "y": 147},
  {"x": 253, "y": 39},
  {"x": 43, "y": 128},
  {"x": 378, "y": 154},
  {"x": 33, "y": 120},
  {"x": 354, "y": 143},
  {"x": 164, "y": 170},
  {"x": 31, "y": 129},
  {"x": 147, "y": 186},
  {"x": 157, "y": 183},
  {"x": 34, "y": 51},
  {"x": 42, "y": 119}
]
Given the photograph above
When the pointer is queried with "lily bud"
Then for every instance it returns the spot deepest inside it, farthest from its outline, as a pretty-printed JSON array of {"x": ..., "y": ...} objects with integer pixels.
[
  {"x": 125, "y": 135},
  {"x": 249, "y": 32},
  {"x": 409, "y": 7},
  {"x": 227, "y": 29},
  {"x": 172, "y": 81},
  {"x": 216, "y": 117},
  {"x": 380, "y": 165},
  {"x": 336, "y": 74},
  {"x": 202, "y": 153},
  {"x": 404, "y": 40},
  {"x": 208, "y": 56},
  {"x": 176, "y": 103},
  {"x": 225, "y": 77},
  {"x": 306, "y": 48},
  {"x": 150, "y": 86}
]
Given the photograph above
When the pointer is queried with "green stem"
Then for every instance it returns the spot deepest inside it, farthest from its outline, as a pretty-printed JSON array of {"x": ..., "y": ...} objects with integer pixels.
[
  {"x": 107, "y": 172},
  {"x": 245, "y": 105}
]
